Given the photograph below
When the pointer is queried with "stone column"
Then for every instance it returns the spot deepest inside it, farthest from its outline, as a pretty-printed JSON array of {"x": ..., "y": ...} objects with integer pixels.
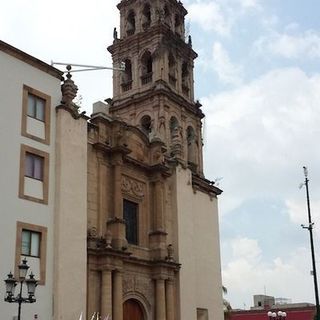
[
  {"x": 106, "y": 293},
  {"x": 117, "y": 299},
  {"x": 158, "y": 236},
  {"x": 117, "y": 205},
  {"x": 159, "y": 206},
  {"x": 170, "y": 301},
  {"x": 116, "y": 225},
  {"x": 102, "y": 193},
  {"x": 160, "y": 300},
  {"x": 93, "y": 299}
]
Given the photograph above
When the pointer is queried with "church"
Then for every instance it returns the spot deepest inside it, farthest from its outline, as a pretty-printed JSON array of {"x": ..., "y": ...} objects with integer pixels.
[
  {"x": 120, "y": 218},
  {"x": 153, "y": 239}
]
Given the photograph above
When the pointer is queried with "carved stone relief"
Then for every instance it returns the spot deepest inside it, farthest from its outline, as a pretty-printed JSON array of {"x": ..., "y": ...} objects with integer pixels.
[
  {"x": 141, "y": 285},
  {"x": 128, "y": 284},
  {"x": 132, "y": 187}
]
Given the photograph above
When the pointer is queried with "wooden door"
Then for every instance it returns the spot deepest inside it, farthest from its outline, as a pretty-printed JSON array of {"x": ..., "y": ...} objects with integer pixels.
[{"x": 132, "y": 310}]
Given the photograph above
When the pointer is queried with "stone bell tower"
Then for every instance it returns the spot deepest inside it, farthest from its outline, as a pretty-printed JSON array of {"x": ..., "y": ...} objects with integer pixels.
[
  {"x": 153, "y": 236},
  {"x": 156, "y": 90}
]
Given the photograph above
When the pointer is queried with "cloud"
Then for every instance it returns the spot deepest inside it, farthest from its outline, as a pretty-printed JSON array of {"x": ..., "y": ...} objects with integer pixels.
[
  {"x": 249, "y": 3},
  {"x": 246, "y": 248},
  {"x": 244, "y": 275},
  {"x": 297, "y": 210},
  {"x": 227, "y": 71},
  {"x": 210, "y": 16},
  {"x": 220, "y": 16},
  {"x": 259, "y": 135},
  {"x": 290, "y": 46}
]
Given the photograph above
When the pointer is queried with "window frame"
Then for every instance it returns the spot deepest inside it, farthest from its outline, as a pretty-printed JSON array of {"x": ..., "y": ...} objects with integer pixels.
[
  {"x": 43, "y": 231},
  {"x": 136, "y": 243},
  {"x": 47, "y": 103},
  {"x": 45, "y": 178},
  {"x": 30, "y": 243},
  {"x": 34, "y": 157}
]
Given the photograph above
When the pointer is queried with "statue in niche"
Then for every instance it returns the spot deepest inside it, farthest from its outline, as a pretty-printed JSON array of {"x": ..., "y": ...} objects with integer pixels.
[
  {"x": 162, "y": 127},
  {"x": 192, "y": 151},
  {"x": 115, "y": 34},
  {"x": 169, "y": 256},
  {"x": 152, "y": 131},
  {"x": 176, "y": 142},
  {"x": 157, "y": 156},
  {"x": 192, "y": 146}
]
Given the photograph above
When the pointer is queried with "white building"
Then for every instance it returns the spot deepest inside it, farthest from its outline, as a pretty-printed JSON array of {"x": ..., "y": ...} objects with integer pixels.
[{"x": 29, "y": 92}]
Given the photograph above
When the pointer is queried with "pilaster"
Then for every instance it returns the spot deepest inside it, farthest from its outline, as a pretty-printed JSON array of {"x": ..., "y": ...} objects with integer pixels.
[
  {"x": 117, "y": 297},
  {"x": 106, "y": 293},
  {"x": 160, "y": 299},
  {"x": 170, "y": 300}
]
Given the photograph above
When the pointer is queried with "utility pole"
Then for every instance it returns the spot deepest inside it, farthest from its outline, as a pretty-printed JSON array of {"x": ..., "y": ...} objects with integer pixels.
[{"x": 310, "y": 228}]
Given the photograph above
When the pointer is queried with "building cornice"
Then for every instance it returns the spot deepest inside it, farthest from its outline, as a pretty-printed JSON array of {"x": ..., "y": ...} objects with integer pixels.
[{"x": 205, "y": 185}]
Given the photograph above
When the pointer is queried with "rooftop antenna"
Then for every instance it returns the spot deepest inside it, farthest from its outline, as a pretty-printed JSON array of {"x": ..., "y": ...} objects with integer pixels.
[{"x": 86, "y": 67}]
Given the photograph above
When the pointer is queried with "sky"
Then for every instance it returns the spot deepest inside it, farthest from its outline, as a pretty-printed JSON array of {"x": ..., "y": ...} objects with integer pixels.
[{"x": 258, "y": 78}]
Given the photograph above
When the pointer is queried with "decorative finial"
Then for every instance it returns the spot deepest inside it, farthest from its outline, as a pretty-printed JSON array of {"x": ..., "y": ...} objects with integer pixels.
[
  {"x": 69, "y": 91},
  {"x": 69, "y": 76}
]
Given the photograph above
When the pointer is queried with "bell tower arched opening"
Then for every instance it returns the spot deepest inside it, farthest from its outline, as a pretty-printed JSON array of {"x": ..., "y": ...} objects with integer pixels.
[
  {"x": 126, "y": 81},
  {"x": 146, "y": 17},
  {"x": 146, "y": 68},
  {"x": 131, "y": 23}
]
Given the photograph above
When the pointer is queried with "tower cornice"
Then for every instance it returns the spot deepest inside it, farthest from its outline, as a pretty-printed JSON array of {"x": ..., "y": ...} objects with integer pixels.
[
  {"x": 168, "y": 38},
  {"x": 160, "y": 88}
]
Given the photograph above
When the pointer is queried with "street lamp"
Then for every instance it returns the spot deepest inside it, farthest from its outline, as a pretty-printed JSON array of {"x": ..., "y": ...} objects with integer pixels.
[
  {"x": 11, "y": 283},
  {"x": 310, "y": 228},
  {"x": 280, "y": 315}
]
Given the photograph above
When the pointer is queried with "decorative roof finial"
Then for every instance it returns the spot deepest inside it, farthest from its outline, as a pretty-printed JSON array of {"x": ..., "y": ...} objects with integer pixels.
[{"x": 69, "y": 91}]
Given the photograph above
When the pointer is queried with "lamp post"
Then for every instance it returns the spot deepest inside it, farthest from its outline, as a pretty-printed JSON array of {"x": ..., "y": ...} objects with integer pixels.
[
  {"x": 310, "y": 228},
  {"x": 280, "y": 315},
  {"x": 11, "y": 283}
]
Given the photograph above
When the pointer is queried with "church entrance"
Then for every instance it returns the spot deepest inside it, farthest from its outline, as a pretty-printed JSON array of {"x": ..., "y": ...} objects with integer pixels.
[{"x": 132, "y": 310}]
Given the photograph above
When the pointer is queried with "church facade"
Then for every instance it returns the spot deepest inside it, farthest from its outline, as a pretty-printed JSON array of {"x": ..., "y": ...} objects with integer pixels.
[
  {"x": 153, "y": 238},
  {"x": 112, "y": 211}
]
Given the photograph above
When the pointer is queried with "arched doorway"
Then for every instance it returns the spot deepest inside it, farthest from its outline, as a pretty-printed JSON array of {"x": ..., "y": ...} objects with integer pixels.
[{"x": 132, "y": 310}]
